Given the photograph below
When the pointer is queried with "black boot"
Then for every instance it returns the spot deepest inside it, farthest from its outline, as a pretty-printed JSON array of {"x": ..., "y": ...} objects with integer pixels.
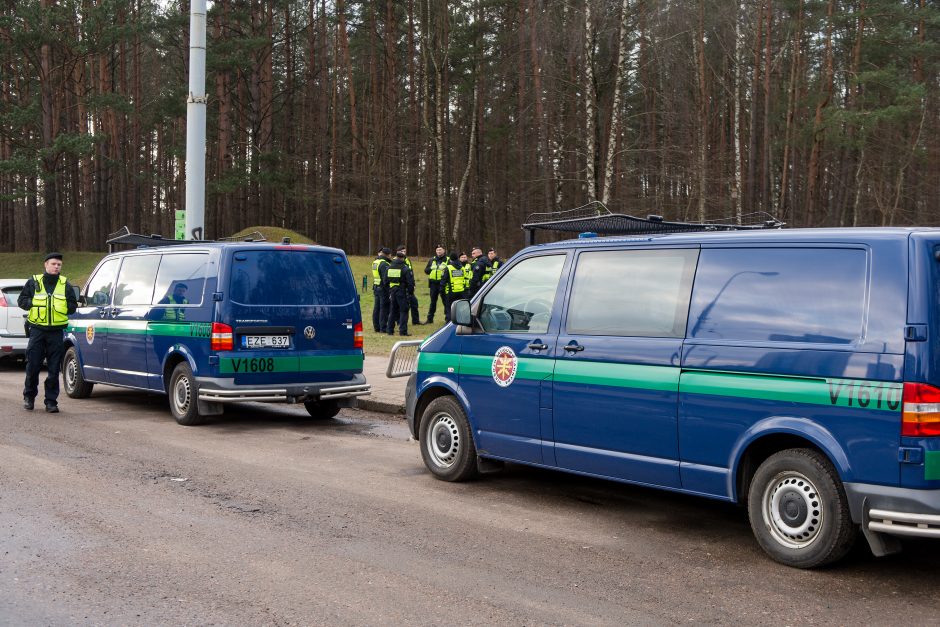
[
  {"x": 52, "y": 408},
  {"x": 27, "y": 403}
]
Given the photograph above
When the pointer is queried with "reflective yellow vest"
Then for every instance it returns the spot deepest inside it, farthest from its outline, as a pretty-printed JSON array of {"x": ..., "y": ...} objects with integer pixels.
[
  {"x": 49, "y": 310},
  {"x": 376, "y": 276},
  {"x": 467, "y": 274},
  {"x": 394, "y": 277},
  {"x": 437, "y": 270},
  {"x": 174, "y": 313},
  {"x": 490, "y": 270},
  {"x": 456, "y": 283}
]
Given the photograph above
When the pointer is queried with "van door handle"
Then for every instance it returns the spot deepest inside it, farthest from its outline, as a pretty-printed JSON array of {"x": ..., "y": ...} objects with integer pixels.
[
  {"x": 102, "y": 313},
  {"x": 538, "y": 346},
  {"x": 115, "y": 311},
  {"x": 574, "y": 348}
]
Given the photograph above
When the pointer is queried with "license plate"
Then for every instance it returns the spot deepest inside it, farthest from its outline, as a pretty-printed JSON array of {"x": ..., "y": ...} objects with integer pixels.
[{"x": 265, "y": 341}]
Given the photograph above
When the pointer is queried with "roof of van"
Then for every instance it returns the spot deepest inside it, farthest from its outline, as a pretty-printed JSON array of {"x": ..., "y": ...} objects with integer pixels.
[
  {"x": 184, "y": 247},
  {"x": 849, "y": 234}
]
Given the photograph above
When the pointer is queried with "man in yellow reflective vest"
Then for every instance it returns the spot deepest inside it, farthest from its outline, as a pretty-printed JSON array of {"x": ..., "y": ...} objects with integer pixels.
[
  {"x": 381, "y": 305},
  {"x": 435, "y": 270},
  {"x": 178, "y": 297},
  {"x": 400, "y": 281},
  {"x": 412, "y": 299},
  {"x": 50, "y": 299},
  {"x": 495, "y": 263},
  {"x": 453, "y": 281}
]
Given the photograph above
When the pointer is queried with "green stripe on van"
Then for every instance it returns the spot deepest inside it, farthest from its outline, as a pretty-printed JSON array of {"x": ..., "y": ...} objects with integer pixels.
[
  {"x": 878, "y": 395},
  {"x": 261, "y": 365},
  {"x": 149, "y": 327},
  {"x": 932, "y": 465},
  {"x": 618, "y": 375}
]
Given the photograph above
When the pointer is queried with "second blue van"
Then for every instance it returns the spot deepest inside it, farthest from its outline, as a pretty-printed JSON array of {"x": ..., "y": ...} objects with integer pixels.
[{"x": 796, "y": 372}]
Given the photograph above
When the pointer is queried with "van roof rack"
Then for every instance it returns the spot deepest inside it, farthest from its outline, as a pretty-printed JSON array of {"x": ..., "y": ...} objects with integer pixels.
[
  {"x": 126, "y": 238},
  {"x": 595, "y": 217}
]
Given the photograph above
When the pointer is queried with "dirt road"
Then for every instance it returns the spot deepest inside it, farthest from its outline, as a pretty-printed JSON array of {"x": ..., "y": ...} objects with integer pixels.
[{"x": 112, "y": 514}]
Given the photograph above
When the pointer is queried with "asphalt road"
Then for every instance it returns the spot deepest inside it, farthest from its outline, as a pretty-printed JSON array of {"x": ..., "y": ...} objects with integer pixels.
[{"x": 111, "y": 514}]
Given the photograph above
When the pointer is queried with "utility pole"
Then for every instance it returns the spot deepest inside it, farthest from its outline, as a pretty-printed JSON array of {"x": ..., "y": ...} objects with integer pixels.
[{"x": 196, "y": 124}]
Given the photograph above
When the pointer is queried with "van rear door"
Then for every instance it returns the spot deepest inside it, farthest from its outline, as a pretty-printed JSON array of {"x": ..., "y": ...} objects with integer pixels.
[{"x": 294, "y": 312}]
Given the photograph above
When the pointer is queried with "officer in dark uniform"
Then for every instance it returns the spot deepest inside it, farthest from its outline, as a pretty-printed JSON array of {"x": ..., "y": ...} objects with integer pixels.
[
  {"x": 435, "y": 270},
  {"x": 412, "y": 299},
  {"x": 495, "y": 263},
  {"x": 453, "y": 281},
  {"x": 379, "y": 292},
  {"x": 478, "y": 268},
  {"x": 50, "y": 299},
  {"x": 400, "y": 282}
]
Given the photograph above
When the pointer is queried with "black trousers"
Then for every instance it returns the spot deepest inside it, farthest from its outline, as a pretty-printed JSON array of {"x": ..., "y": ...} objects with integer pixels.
[
  {"x": 415, "y": 315},
  {"x": 380, "y": 309},
  {"x": 399, "y": 311},
  {"x": 437, "y": 291},
  {"x": 48, "y": 344}
]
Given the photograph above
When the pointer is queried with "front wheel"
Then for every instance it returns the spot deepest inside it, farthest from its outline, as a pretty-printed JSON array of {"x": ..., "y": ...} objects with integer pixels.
[
  {"x": 75, "y": 384},
  {"x": 446, "y": 442},
  {"x": 798, "y": 509},
  {"x": 322, "y": 410},
  {"x": 183, "y": 396}
]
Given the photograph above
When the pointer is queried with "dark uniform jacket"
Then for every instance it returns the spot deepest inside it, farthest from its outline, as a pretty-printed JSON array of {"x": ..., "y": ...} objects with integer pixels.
[
  {"x": 479, "y": 267},
  {"x": 407, "y": 276},
  {"x": 25, "y": 300}
]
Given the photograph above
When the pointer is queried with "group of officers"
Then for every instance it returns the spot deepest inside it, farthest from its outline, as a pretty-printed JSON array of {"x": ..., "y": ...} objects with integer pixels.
[{"x": 450, "y": 277}]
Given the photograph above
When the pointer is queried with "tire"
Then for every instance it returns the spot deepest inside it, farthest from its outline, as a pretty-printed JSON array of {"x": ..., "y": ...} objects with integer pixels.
[
  {"x": 72, "y": 377},
  {"x": 322, "y": 410},
  {"x": 183, "y": 394},
  {"x": 446, "y": 441},
  {"x": 798, "y": 509}
]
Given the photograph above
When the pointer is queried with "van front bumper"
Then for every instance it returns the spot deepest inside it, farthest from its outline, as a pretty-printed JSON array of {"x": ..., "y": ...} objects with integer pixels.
[
  {"x": 895, "y": 511},
  {"x": 224, "y": 391}
]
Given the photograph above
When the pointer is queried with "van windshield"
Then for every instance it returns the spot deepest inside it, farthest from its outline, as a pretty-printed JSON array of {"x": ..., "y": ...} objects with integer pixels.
[{"x": 290, "y": 277}]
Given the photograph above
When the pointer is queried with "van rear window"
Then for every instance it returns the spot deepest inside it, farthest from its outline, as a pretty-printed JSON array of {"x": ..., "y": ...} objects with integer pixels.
[
  {"x": 812, "y": 295},
  {"x": 290, "y": 277}
]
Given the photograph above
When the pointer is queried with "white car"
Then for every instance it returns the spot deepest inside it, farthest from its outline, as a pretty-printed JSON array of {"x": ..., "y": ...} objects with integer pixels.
[{"x": 13, "y": 338}]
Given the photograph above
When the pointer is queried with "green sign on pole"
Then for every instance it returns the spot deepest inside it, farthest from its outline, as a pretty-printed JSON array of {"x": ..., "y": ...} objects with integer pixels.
[{"x": 180, "y": 224}]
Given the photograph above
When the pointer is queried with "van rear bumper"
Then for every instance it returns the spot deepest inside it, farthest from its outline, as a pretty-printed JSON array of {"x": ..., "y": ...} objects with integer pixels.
[
  {"x": 224, "y": 391},
  {"x": 895, "y": 511}
]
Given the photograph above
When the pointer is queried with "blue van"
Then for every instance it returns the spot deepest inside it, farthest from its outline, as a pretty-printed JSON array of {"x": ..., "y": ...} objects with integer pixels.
[
  {"x": 796, "y": 372},
  {"x": 211, "y": 323}
]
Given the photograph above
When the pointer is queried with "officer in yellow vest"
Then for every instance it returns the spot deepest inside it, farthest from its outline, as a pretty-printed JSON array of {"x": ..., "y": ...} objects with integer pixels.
[
  {"x": 435, "y": 270},
  {"x": 453, "y": 281},
  {"x": 400, "y": 281},
  {"x": 379, "y": 292},
  {"x": 178, "y": 297},
  {"x": 467, "y": 273},
  {"x": 49, "y": 298},
  {"x": 495, "y": 263},
  {"x": 412, "y": 299}
]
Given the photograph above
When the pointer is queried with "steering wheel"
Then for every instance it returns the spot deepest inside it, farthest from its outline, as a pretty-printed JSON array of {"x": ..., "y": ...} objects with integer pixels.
[{"x": 535, "y": 306}]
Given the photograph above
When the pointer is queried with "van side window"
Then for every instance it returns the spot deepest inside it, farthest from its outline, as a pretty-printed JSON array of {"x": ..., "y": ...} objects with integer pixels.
[
  {"x": 98, "y": 290},
  {"x": 181, "y": 279},
  {"x": 780, "y": 295},
  {"x": 522, "y": 300},
  {"x": 135, "y": 281},
  {"x": 631, "y": 293}
]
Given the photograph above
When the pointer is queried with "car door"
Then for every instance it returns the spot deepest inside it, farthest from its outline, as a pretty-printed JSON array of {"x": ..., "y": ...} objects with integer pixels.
[
  {"x": 89, "y": 323},
  {"x": 617, "y": 373},
  {"x": 506, "y": 364},
  {"x": 127, "y": 320}
]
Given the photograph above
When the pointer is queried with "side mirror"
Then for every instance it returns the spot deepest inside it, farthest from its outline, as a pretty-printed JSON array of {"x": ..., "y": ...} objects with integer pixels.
[{"x": 460, "y": 313}]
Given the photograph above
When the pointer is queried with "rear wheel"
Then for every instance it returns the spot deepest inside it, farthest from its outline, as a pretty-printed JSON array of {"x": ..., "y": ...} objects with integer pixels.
[
  {"x": 446, "y": 442},
  {"x": 75, "y": 384},
  {"x": 183, "y": 396},
  {"x": 322, "y": 410},
  {"x": 798, "y": 509}
]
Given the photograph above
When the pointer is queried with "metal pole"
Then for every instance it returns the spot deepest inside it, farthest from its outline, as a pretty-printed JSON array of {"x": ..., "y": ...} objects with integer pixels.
[{"x": 196, "y": 123}]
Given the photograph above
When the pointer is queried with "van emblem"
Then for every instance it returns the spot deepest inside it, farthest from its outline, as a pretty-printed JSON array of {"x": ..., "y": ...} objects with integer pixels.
[
  {"x": 504, "y": 367},
  {"x": 90, "y": 334},
  {"x": 309, "y": 332}
]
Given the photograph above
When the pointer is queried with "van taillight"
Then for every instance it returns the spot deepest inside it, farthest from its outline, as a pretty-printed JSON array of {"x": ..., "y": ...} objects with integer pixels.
[
  {"x": 357, "y": 336},
  {"x": 3, "y": 301},
  {"x": 921, "y": 415},
  {"x": 222, "y": 337}
]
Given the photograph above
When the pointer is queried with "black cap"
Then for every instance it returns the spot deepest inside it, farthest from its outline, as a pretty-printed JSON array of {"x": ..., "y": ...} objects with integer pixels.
[
  {"x": 491, "y": 250},
  {"x": 386, "y": 250},
  {"x": 436, "y": 246},
  {"x": 400, "y": 247},
  {"x": 182, "y": 285},
  {"x": 53, "y": 256}
]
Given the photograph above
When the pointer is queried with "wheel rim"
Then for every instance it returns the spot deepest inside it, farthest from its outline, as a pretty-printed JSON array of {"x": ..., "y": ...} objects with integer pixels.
[
  {"x": 182, "y": 395},
  {"x": 71, "y": 374},
  {"x": 443, "y": 441},
  {"x": 792, "y": 510}
]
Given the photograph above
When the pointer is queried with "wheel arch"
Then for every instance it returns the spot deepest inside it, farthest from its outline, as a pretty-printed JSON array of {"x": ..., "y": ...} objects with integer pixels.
[
  {"x": 776, "y": 435},
  {"x": 433, "y": 389},
  {"x": 174, "y": 357}
]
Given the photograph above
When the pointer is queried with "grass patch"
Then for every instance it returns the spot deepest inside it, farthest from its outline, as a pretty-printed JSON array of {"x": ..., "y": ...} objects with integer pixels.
[
  {"x": 274, "y": 234},
  {"x": 76, "y": 265}
]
